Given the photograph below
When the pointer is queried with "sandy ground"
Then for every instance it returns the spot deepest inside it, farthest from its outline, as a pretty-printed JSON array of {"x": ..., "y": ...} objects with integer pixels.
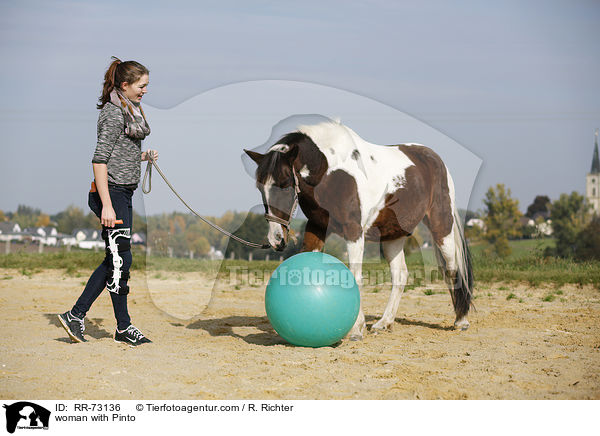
[{"x": 218, "y": 344}]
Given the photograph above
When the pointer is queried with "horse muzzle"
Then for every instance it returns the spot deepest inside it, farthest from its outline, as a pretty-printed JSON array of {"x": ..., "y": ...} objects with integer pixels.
[
  {"x": 283, "y": 242},
  {"x": 278, "y": 236}
]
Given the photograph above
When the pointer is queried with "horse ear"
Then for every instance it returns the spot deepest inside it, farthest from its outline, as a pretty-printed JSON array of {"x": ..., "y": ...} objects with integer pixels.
[
  {"x": 256, "y": 157},
  {"x": 292, "y": 152}
]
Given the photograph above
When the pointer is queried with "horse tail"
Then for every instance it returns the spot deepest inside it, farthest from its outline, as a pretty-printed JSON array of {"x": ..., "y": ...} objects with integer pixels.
[
  {"x": 460, "y": 279},
  {"x": 463, "y": 286}
]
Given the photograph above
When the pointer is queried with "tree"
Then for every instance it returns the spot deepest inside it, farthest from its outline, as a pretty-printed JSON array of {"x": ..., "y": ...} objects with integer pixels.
[
  {"x": 3, "y": 217},
  {"x": 254, "y": 228},
  {"x": 158, "y": 241},
  {"x": 587, "y": 243},
  {"x": 71, "y": 219},
  {"x": 43, "y": 220},
  {"x": 197, "y": 242},
  {"x": 179, "y": 244},
  {"x": 91, "y": 221},
  {"x": 27, "y": 210},
  {"x": 177, "y": 224},
  {"x": 541, "y": 203},
  {"x": 501, "y": 218},
  {"x": 139, "y": 223},
  {"x": 199, "y": 246},
  {"x": 568, "y": 215},
  {"x": 467, "y": 214},
  {"x": 26, "y": 216}
]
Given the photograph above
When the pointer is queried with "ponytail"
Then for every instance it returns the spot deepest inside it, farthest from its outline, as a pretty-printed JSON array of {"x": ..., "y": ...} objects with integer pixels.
[
  {"x": 117, "y": 73},
  {"x": 109, "y": 82}
]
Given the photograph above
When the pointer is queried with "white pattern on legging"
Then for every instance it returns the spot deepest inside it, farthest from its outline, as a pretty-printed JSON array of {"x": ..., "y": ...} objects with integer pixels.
[{"x": 113, "y": 283}]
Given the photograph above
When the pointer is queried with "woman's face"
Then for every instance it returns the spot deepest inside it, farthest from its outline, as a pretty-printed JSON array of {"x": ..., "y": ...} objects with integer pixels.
[{"x": 135, "y": 91}]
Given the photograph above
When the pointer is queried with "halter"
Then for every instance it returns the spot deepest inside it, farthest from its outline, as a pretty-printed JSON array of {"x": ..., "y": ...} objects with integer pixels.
[{"x": 286, "y": 223}]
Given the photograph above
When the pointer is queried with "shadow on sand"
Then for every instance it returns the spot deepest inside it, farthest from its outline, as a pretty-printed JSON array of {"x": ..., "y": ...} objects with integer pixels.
[
  {"x": 404, "y": 321},
  {"x": 224, "y": 327},
  {"x": 93, "y": 327},
  {"x": 268, "y": 336}
]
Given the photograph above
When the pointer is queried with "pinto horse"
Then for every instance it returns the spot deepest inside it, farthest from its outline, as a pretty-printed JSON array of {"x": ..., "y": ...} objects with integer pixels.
[{"x": 363, "y": 191}]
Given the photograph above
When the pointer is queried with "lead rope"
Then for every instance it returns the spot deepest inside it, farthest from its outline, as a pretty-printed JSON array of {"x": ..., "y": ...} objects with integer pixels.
[{"x": 148, "y": 176}]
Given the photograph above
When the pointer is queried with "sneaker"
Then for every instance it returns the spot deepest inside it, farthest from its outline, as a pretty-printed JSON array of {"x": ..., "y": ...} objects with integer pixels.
[
  {"x": 131, "y": 336},
  {"x": 73, "y": 326}
]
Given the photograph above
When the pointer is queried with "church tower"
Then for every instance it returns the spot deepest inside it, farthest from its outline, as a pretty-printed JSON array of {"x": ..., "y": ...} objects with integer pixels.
[{"x": 592, "y": 181}]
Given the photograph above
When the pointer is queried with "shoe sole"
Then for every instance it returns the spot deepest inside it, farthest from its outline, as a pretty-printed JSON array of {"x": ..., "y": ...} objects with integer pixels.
[
  {"x": 131, "y": 345},
  {"x": 66, "y": 327},
  {"x": 125, "y": 343}
]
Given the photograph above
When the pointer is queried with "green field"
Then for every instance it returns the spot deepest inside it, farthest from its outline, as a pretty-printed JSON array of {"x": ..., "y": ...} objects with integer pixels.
[{"x": 526, "y": 264}]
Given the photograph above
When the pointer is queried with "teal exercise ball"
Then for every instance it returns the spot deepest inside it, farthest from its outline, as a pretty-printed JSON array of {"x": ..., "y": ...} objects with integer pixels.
[{"x": 312, "y": 300}]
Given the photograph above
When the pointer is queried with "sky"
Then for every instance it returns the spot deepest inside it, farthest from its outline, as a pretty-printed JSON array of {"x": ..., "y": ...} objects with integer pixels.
[
  {"x": 227, "y": 119},
  {"x": 513, "y": 85}
]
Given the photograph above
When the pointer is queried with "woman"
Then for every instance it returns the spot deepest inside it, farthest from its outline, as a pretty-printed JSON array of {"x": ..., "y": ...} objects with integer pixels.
[{"x": 117, "y": 166}]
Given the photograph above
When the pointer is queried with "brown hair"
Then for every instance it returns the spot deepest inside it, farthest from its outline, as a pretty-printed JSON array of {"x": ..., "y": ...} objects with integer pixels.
[{"x": 117, "y": 73}]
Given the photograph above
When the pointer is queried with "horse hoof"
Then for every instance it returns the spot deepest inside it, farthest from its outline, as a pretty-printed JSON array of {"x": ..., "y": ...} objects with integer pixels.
[
  {"x": 462, "y": 325},
  {"x": 381, "y": 328}
]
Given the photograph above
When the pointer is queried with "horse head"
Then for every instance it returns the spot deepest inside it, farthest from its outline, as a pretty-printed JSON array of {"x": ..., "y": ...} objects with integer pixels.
[{"x": 277, "y": 181}]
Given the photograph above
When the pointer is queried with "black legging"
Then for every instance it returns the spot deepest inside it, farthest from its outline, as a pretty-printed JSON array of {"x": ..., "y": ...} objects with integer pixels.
[{"x": 117, "y": 261}]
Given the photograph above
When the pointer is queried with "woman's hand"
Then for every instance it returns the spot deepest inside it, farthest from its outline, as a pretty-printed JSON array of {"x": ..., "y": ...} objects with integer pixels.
[
  {"x": 108, "y": 216},
  {"x": 150, "y": 155}
]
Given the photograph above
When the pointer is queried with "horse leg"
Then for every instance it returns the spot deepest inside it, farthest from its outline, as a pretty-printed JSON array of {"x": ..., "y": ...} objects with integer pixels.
[
  {"x": 453, "y": 258},
  {"x": 446, "y": 250},
  {"x": 314, "y": 237},
  {"x": 355, "y": 258},
  {"x": 394, "y": 254}
]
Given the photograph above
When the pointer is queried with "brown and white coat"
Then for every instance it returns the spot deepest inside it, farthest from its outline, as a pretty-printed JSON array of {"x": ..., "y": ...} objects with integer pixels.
[{"x": 363, "y": 191}]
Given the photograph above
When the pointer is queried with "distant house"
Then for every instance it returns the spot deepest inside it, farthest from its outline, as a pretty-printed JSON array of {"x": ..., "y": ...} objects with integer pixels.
[
  {"x": 87, "y": 234},
  {"x": 90, "y": 244},
  {"x": 65, "y": 239},
  {"x": 138, "y": 238},
  {"x": 214, "y": 254},
  {"x": 476, "y": 222},
  {"x": 47, "y": 231},
  {"x": 544, "y": 228},
  {"x": 526, "y": 222},
  {"x": 88, "y": 238},
  {"x": 10, "y": 232},
  {"x": 8, "y": 227},
  {"x": 45, "y": 235}
]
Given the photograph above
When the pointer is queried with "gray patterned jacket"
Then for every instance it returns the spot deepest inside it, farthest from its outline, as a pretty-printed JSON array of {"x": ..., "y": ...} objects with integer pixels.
[{"x": 120, "y": 153}]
